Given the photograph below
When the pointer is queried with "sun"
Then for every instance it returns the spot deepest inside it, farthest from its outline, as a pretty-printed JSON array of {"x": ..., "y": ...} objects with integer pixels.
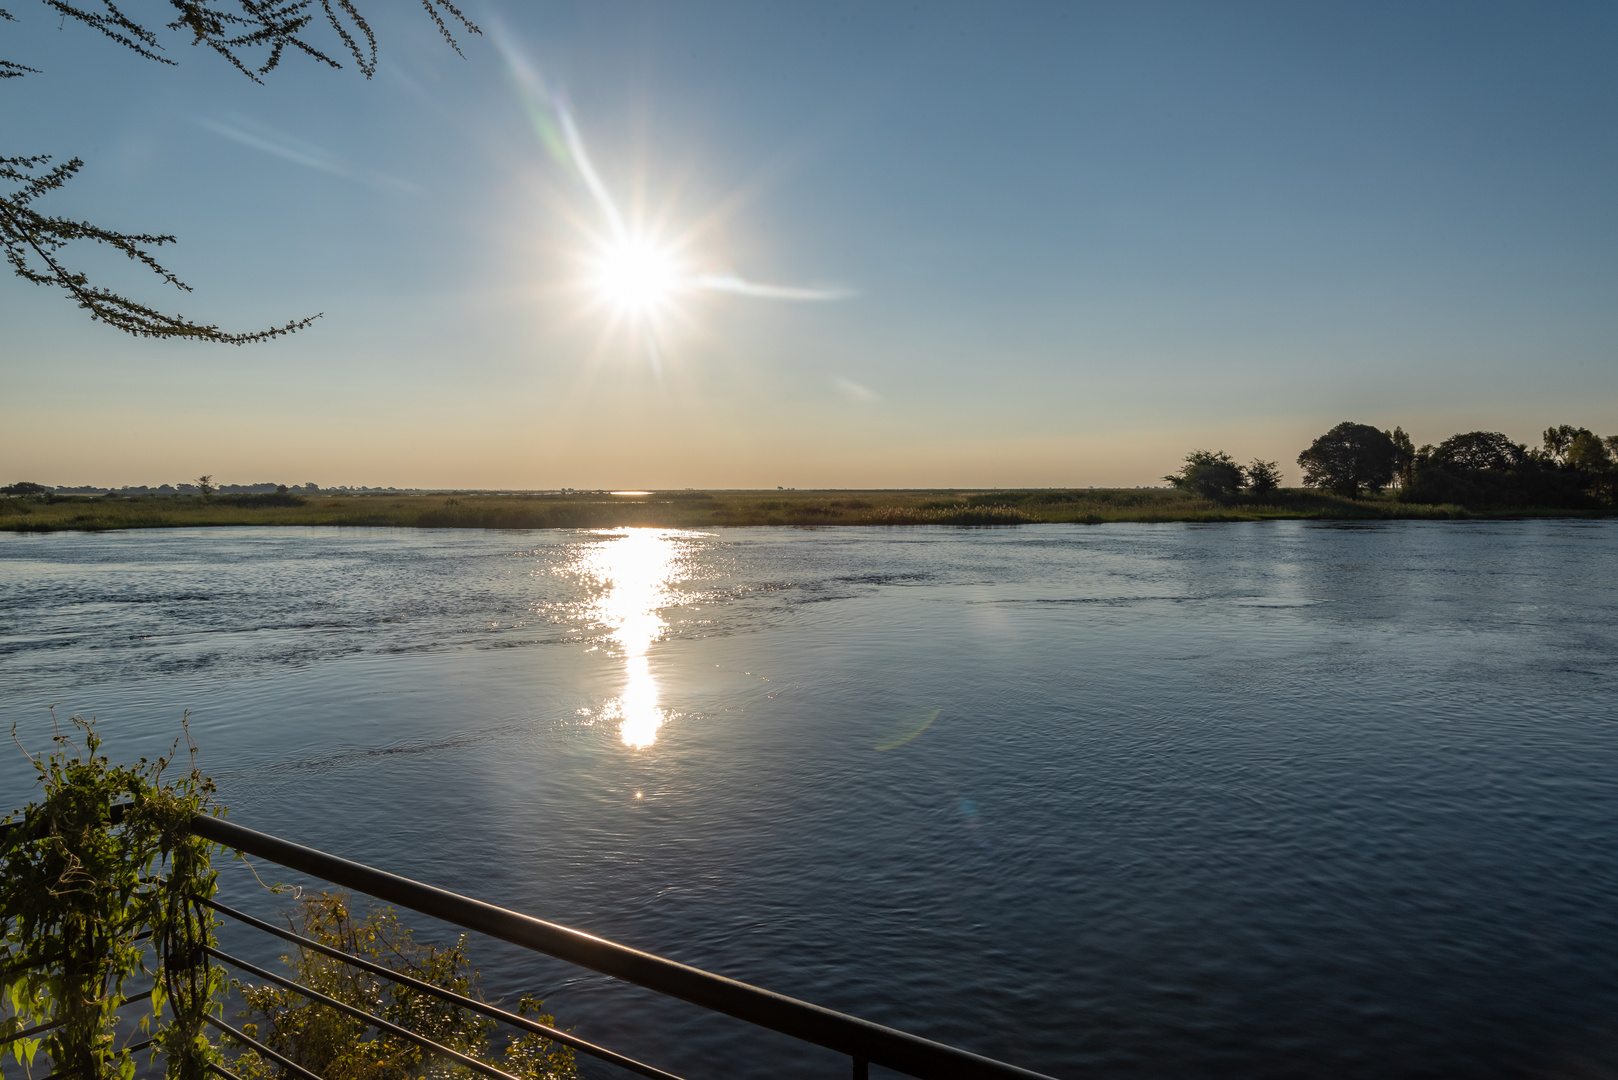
[{"x": 638, "y": 277}]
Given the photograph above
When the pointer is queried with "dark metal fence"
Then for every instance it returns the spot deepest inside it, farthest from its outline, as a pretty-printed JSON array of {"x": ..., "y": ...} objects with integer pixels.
[{"x": 863, "y": 1042}]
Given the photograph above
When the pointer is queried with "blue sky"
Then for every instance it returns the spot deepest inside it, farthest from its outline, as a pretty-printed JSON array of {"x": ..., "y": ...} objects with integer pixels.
[{"x": 1070, "y": 242}]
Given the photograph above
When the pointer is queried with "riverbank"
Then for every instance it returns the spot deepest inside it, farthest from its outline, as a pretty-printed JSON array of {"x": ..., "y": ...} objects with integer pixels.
[{"x": 706, "y": 509}]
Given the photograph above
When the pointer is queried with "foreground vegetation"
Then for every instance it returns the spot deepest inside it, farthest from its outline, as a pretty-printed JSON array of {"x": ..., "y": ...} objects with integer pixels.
[
  {"x": 698, "y": 509},
  {"x": 102, "y": 892}
]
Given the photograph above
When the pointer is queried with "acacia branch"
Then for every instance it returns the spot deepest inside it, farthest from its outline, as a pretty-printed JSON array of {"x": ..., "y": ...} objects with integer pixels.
[
  {"x": 252, "y": 36},
  {"x": 32, "y": 241},
  {"x": 235, "y": 28}
]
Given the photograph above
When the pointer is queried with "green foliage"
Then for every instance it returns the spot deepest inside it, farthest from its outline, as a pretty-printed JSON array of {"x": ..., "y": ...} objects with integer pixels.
[
  {"x": 1480, "y": 451},
  {"x": 1571, "y": 469},
  {"x": 78, "y": 888},
  {"x": 25, "y": 487},
  {"x": 1558, "y": 440},
  {"x": 1213, "y": 474},
  {"x": 1588, "y": 453},
  {"x": 1263, "y": 477},
  {"x": 266, "y": 498},
  {"x": 1350, "y": 458},
  {"x": 1404, "y": 457},
  {"x": 334, "y": 1045}
]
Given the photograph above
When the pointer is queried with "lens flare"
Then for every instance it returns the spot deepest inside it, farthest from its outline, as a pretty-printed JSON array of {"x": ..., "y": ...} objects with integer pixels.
[{"x": 634, "y": 271}]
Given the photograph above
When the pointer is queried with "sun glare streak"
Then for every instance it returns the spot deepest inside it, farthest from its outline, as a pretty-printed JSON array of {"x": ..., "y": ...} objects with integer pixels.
[
  {"x": 638, "y": 272},
  {"x": 730, "y": 283},
  {"x": 636, "y": 568},
  {"x": 587, "y": 172}
]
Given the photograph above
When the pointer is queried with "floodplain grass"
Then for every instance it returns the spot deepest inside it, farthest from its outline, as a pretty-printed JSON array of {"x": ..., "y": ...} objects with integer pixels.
[{"x": 708, "y": 509}]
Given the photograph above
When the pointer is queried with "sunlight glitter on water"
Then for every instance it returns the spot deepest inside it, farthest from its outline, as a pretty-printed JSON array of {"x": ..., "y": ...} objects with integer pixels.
[{"x": 636, "y": 567}]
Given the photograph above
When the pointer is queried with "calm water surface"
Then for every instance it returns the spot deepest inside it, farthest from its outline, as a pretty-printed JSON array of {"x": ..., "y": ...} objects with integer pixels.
[{"x": 1275, "y": 799}]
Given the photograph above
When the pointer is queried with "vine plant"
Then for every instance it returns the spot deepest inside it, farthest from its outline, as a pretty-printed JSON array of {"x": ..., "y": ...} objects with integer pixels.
[{"x": 104, "y": 856}]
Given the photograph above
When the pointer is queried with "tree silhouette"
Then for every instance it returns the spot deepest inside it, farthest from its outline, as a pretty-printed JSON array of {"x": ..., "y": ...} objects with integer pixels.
[
  {"x": 1348, "y": 458},
  {"x": 1213, "y": 474},
  {"x": 1263, "y": 477},
  {"x": 252, "y": 35},
  {"x": 1480, "y": 451}
]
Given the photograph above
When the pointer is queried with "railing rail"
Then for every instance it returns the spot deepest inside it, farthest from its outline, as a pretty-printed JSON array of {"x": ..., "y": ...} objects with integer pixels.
[{"x": 862, "y": 1040}]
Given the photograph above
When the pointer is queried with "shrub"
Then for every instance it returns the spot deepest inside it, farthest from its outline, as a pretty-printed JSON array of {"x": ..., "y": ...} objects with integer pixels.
[
  {"x": 1263, "y": 477},
  {"x": 333, "y": 1045},
  {"x": 81, "y": 884},
  {"x": 268, "y": 498},
  {"x": 1213, "y": 474}
]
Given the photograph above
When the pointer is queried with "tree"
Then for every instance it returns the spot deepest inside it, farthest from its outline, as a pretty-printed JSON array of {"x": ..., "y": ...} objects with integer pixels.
[
  {"x": 1263, "y": 477},
  {"x": 1578, "y": 448},
  {"x": 1348, "y": 458},
  {"x": 1404, "y": 462},
  {"x": 252, "y": 35},
  {"x": 1559, "y": 439},
  {"x": 1213, "y": 474},
  {"x": 1480, "y": 451},
  {"x": 1588, "y": 453},
  {"x": 205, "y": 484},
  {"x": 25, "y": 487}
]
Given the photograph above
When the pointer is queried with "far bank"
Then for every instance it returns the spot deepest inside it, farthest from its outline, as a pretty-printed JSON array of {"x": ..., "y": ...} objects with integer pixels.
[{"x": 707, "y": 509}]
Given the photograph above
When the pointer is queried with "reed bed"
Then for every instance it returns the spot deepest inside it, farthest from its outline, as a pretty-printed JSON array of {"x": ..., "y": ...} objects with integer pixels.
[{"x": 696, "y": 510}]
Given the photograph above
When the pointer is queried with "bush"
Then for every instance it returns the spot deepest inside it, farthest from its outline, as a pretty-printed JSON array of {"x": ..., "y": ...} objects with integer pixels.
[
  {"x": 107, "y": 854},
  {"x": 1263, "y": 477},
  {"x": 81, "y": 884},
  {"x": 332, "y": 1044},
  {"x": 268, "y": 498},
  {"x": 1213, "y": 474},
  {"x": 1531, "y": 484}
]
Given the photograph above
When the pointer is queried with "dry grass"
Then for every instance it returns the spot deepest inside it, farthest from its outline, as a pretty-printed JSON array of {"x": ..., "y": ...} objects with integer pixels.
[{"x": 695, "y": 509}]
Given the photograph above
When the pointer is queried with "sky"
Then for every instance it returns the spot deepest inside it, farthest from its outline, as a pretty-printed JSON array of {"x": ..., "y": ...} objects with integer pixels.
[{"x": 879, "y": 245}]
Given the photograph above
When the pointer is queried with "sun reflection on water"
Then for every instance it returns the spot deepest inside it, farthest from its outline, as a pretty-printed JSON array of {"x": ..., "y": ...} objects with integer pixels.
[{"x": 636, "y": 568}]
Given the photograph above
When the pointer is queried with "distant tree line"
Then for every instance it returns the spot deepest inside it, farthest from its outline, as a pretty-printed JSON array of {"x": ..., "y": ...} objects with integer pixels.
[
  {"x": 1571, "y": 468},
  {"x": 202, "y": 485}
]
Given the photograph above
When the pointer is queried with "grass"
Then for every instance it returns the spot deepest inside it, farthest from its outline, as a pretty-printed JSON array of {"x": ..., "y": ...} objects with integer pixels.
[{"x": 702, "y": 509}]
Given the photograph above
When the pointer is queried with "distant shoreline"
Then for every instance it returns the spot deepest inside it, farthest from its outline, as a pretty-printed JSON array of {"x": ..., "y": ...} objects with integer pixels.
[{"x": 713, "y": 509}]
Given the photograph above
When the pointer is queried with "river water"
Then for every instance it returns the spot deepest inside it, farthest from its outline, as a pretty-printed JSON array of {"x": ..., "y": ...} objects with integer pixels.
[{"x": 1269, "y": 799}]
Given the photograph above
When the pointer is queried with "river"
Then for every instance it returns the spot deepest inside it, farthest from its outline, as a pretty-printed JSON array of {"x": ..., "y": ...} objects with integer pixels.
[{"x": 1264, "y": 799}]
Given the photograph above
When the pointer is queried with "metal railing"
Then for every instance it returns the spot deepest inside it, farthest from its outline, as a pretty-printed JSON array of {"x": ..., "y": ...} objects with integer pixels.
[{"x": 863, "y": 1042}]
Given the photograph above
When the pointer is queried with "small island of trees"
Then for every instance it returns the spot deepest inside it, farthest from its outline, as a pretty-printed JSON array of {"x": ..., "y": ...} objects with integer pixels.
[{"x": 1572, "y": 469}]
